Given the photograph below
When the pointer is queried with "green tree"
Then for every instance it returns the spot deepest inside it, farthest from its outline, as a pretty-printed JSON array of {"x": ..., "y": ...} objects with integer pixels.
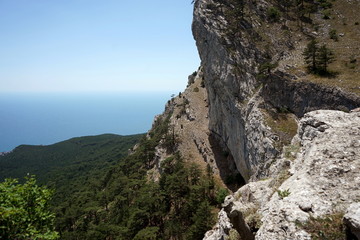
[
  {"x": 324, "y": 57},
  {"x": 203, "y": 221},
  {"x": 310, "y": 54},
  {"x": 24, "y": 211}
]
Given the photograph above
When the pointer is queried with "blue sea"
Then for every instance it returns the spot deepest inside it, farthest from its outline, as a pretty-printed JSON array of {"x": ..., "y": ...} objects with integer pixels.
[{"x": 47, "y": 118}]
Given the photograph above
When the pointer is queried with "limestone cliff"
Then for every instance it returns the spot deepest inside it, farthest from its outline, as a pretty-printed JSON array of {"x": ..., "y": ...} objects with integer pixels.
[
  {"x": 253, "y": 114},
  {"x": 319, "y": 179},
  {"x": 232, "y": 50},
  {"x": 253, "y": 108}
]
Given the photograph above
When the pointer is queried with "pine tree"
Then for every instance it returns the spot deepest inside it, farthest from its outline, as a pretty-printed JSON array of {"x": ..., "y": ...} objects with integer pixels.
[
  {"x": 324, "y": 57},
  {"x": 310, "y": 55},
  {"x": 203, "y": 221}
]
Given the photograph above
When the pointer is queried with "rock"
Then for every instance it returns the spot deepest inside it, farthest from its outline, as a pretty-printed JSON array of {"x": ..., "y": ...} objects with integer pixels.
[
  {"x": 222, "y": 228},
  {"x": 352, "y": 220},
  {"x": 230, "y": 70},
  {"x": 324, "y": 174}
]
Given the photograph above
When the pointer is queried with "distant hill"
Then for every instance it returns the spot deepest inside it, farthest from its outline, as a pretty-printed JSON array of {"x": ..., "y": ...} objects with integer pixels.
[{"x": 68, "y": 163}]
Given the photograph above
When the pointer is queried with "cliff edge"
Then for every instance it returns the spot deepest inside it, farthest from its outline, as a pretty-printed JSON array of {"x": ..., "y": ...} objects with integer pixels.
[{"x": 266, "y": 112}]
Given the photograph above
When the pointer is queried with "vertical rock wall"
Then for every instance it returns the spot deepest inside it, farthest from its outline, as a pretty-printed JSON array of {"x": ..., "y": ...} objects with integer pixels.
[{"x": 235, "y": 120}]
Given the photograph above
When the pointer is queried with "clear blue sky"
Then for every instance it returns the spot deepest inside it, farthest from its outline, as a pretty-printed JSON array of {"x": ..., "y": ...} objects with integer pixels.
[{"x": 96, "y": 45}]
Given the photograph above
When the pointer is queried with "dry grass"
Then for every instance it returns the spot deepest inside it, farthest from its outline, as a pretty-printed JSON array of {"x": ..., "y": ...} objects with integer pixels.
[
  {"x": 253, "y": 219},
  {"x": 329, "y": 227},
  {"x": 346, "y": 68},
  {"x": 282, "y": 124}
]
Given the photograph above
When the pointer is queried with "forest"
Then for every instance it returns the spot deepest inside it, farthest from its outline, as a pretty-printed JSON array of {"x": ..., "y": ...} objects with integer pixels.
[{"x": 102, "y": 192}]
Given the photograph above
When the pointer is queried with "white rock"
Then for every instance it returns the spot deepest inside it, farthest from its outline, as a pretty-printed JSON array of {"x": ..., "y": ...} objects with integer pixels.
[{"x": 352, "y": 219}]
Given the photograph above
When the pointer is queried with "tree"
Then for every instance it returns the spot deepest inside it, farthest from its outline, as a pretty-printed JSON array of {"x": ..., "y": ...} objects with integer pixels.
[
  {"x": 203, "y": 221},
  {"x": 324, "y": 57},
  {"x": 24, "y": 211},
  {"x": 310, "y": 54},
  {"x": 318, "y": 58}
]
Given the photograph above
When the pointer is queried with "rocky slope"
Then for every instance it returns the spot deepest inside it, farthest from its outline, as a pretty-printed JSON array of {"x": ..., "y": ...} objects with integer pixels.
[
  {"x": 252, "y": 109},
  {"x": 254, "y": 114},
  {"x": 318, "y": 179}
]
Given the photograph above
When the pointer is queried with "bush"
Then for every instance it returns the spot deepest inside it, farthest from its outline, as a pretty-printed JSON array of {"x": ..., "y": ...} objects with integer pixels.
[
  {"x": 283, "y": 194},
  {"x": 221, "y": 195},
  {"x": 328, "y": 227},
  {"x": 333, "y": 35},
  {"x": 24, "y": 211},
  {"x": 273, "y": 14},
  {"x": 326, "y": 14}
]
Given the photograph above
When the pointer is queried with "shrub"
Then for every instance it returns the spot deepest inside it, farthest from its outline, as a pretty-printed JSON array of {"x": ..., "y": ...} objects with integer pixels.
[
  {"x": 333, "y": 35},
  {"x": 326, "y": 14},
  {"x": 221, "y": 195},
  {"x": 24, "y": 211},
  {"x": 283, "y": 194},
  {"x": 329, "y": 227},
  {"x": 273, "y": 14}
]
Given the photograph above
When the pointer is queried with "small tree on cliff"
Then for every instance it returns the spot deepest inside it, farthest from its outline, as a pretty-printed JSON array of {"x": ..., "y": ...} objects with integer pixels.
[
  {"x": 310, "y": 54},
  {"x": 324, "y": 57},
  {"x": 318, "y": 58}
]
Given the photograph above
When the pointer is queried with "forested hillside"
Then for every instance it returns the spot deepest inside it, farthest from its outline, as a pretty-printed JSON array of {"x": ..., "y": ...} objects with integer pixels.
[
  {"x": 125, "y": 204},
  {"x": 100, "y": 193}
]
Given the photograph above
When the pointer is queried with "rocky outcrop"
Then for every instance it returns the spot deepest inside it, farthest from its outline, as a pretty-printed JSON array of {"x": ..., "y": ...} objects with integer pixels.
[
  {"x": 188, "y": 123},
  {"x": 286, "y": 184},
  {"x": 232, "y": 50},
  {"x": 352, "y": 220},
  {"x": 234, "y": 118},
  {"x": 301, "y": 97},
  {"x": 323, "y": 179}
]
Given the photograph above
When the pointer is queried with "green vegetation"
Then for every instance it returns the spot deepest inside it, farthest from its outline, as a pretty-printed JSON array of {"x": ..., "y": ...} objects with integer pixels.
[
  {"x": 283, "y": 124},
  {"x": 265, "y": 69},
  {"x": 333, "y": 35},
  {"x": 273, "y": 14},
  {"x": 318, "y": 58},
  {"x": 24, "y": 211},
  {"x": 69, "y": 165},
  {"x": 100, "y": 193},
  {"x": 283, "y": 194},
  {"x": 329, "y": 227},
  {"x": 253, "y": 219}
]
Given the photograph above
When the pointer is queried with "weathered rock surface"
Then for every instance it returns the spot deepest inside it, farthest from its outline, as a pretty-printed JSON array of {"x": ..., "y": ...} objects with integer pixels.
[
  {"x": 323, "y": 179},
  {"x": 221, "y": 229},
  {"x": 352, "y": 220},
  {"x": 301, "y": 97},
  {"x": 189, "y": 125},
  {"x": 323, "y": 157},
  {"x": 230, "y": 63},
  {"x": 234, "y": 117}
]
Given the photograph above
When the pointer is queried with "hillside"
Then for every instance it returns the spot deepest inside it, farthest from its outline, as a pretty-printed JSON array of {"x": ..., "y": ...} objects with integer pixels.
[
  {"x": 66, "y": 166},
  {"x": 255, "y": 122}
]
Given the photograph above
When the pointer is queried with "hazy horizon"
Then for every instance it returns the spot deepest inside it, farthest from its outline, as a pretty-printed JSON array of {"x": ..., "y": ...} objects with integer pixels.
[{"x": 43, "y": 119}]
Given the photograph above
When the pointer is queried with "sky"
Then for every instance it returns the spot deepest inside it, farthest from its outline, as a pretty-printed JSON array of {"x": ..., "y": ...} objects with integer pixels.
[{"x": 93, "y": 45}]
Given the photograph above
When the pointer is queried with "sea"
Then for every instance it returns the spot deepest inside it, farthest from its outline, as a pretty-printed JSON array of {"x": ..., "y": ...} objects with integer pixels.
[{"x": 47, "y": 118}]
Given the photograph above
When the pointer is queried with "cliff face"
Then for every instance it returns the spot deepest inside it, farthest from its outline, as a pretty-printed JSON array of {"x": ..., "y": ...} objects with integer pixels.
[
  {"x": 233, "y": 50},
  {"x": 319, "y": 180},
  {"x": 258, "y": 89},
  {"x": 234, "y": 119},
  {"x": 252, "y": 108}
]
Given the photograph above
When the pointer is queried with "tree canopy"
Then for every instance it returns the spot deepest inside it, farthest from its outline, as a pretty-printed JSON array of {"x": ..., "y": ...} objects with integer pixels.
[{"x": 24, "y": 211}]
